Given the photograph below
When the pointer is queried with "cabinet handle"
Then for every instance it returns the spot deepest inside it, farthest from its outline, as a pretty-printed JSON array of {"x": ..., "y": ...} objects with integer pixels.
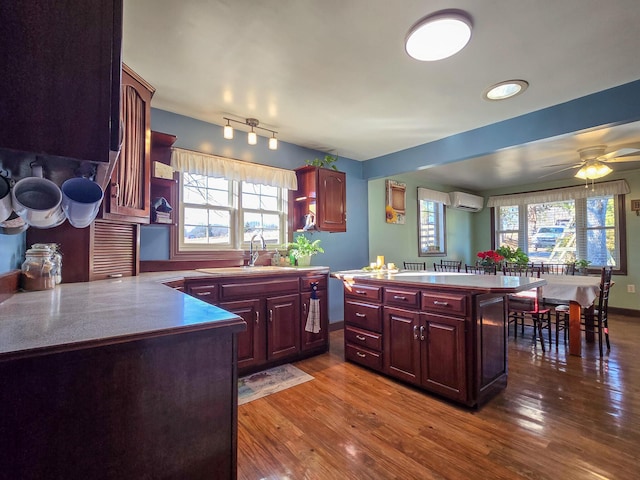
[
  {"x": 203, "y": 294},
  {"x": 421, "y": 332},
  {"x": 271, "y": 315},
  {"x": 444, "y": 304},
  {"x": 361, "y": 338},
  {"x": 116, "y": 185},
  {"x": 257, "y": 318},
  {"x": 115, "y": 275},
  {"x": 399, "y": 297},
  {"x": 361, "y": 315},
  {"x": 361, "y": 355},
  {"x": 304, "y": 309},
  {"x": 415, "y": 332},
  {"x": 361, "y": 292}
]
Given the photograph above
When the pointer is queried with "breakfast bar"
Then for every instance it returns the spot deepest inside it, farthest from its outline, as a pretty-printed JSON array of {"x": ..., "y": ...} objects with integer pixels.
[{"x": 444, "y": 333}]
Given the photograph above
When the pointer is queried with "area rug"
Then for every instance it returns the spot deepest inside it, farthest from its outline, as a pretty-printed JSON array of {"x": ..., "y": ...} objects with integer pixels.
[{"x": 276, "y": 379}]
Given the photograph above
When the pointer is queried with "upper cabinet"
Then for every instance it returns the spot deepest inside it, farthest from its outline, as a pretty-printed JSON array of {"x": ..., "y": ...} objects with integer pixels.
[
  {"x": 320, "y": 203},
  {"x": 60, "y": 78},
  {"x": 128, "y": 193}
]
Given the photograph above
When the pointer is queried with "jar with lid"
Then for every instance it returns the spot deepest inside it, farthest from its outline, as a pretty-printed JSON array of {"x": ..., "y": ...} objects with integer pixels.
[
  {"x": 56, "y": 258},
  {"x": 38, "y": 270}
]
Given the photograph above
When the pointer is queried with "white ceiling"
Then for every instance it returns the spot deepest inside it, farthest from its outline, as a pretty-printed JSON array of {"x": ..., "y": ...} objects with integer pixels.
[{"x": 332, "y": 75}]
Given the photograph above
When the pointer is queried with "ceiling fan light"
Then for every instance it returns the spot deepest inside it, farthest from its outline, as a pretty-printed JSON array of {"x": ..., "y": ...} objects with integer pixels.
[
  {"x": 438, "y": 36},
  {"x": 592, "y": 170}
]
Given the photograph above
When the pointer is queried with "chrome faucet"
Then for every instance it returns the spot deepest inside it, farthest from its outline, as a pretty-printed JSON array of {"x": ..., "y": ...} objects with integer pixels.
[{"x": 253, "y": 256}]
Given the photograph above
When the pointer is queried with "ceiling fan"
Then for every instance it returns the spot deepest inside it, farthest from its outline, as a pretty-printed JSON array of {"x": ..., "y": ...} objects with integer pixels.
[{"x": 594, "y": 162}]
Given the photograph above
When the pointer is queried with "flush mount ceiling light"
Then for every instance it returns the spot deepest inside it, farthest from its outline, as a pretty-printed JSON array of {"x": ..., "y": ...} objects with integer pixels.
[
  {"x": 252, "y": 136},
  {"x": 506, "y": 89},
  {"x": 439, "y": 35}
]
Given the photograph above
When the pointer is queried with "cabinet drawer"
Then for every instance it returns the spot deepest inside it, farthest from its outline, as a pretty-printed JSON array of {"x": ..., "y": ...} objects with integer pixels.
[
  {"x": 206, "y": 293},
  {"x": 402, "y": 298},
  {"x": 363, "y": 291},
  {"x": 258, "y": 288},
  {"x": 363, "y": 356},
  {"x": 363, "y": 338},
  {"x": 363, "y": 315},
  {"x": 305, "y": 282},
  {"x": 446, "y": 303}
]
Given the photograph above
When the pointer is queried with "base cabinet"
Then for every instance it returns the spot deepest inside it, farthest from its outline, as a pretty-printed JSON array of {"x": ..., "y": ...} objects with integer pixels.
[{"x": 275, "y": 309}]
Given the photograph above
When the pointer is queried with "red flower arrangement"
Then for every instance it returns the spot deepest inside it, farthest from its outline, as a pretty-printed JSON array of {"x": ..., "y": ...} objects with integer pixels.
[{"x": 490, "y": 257}]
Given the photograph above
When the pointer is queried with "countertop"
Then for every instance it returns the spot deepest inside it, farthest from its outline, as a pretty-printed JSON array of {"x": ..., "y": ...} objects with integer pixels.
[
  {"x": 82, "y": 315},
  {"x": 444, "y": 280}
]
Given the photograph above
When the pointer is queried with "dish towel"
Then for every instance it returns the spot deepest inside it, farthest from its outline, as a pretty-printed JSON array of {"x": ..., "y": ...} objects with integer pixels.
[{"x": 313, "y": 319}]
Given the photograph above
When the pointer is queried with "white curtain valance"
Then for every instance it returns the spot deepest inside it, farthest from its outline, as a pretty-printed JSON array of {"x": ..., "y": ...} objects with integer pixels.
[
  {"x": 213, "y": 166},
  {"x": 433, "y": 196},
  {"x": 617, "y": 187}
]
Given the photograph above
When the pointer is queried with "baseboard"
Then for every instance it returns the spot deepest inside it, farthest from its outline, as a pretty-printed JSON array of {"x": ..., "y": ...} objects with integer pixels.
[
  {"x": 9, "y": 283},
  {"x": 336, "y": 326},
  {"x": 624, "y": 311}
]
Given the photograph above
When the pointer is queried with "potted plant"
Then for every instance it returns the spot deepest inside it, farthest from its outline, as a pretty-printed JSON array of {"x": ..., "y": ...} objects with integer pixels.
[
  {"x": 327, "y": 162},
  {"x": 303, "y": 249},
  {"x": 582, "y": 266},
  {"x": 512, "y": 255}
]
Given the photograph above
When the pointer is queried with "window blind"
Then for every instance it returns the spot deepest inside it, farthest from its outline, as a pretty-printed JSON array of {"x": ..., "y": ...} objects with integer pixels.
[{"x": 214, "y": 166}]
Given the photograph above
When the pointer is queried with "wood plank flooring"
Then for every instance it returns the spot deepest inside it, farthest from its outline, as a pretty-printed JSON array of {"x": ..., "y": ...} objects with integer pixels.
[{"x": 561, "y": 417}]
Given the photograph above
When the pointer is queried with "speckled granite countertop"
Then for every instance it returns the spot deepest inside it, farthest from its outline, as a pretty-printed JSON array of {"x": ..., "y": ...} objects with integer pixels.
[{"x": 83, "y": 315}]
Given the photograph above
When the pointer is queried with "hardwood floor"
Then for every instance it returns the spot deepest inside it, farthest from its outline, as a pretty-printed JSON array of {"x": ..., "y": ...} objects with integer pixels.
[{"x": 561, "y": 417}]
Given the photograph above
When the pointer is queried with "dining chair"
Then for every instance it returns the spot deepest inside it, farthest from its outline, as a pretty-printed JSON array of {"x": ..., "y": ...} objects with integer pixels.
[
  {"x": 481, "y": 269},
  {"x": 447, "y": 267},
  {"x": 415, "y": 265},
  {"x": 558, "y": 268},
  {"x": 528, "y": 305},
  {"x": 597, "y": 317},
  {"x": 452, "y": 263}
]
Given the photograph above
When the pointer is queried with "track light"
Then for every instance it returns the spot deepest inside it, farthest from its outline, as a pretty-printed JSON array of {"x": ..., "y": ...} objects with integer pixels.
[
  {"x": 252, "y": 136},
  {"x": 228, "y": 131}
]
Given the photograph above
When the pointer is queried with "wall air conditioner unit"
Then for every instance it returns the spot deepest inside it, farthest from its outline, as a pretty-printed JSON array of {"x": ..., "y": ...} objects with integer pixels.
[{"x": 466, "y": 201}]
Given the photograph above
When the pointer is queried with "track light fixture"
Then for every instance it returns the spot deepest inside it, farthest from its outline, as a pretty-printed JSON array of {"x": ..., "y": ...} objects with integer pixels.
[{"x": 252, "y": 136}]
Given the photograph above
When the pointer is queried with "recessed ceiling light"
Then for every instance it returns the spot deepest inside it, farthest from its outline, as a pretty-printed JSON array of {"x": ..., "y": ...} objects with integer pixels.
[
  {"x": 503, "y": 90},
  {"x": 439, "y": 35}
]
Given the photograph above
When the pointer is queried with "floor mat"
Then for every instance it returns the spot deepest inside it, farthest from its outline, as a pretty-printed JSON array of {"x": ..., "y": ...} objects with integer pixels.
[{"x": 261, "y": 384}]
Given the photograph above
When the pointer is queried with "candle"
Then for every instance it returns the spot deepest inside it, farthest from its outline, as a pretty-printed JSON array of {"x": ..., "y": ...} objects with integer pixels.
[{"x": 380, "y": 260}]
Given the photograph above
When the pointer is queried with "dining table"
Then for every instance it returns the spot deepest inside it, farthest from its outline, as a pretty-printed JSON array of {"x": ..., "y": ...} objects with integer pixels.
[{"x": 580, "y": 291}]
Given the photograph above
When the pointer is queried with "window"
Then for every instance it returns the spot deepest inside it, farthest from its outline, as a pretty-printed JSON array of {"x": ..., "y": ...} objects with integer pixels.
[
  {"x": 218, "y": 213},
  {"x": 590, "y": 226},
  {"x": 431, "y": 224}
]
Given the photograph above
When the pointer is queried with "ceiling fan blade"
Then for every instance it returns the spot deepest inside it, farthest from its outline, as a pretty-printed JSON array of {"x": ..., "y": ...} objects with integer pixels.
[
  {"x": 561, "y": 170},
  {"x": 630, "y": 158},
  {"x": 622, "y": 152},
  {"x": 575, "y": 165}
]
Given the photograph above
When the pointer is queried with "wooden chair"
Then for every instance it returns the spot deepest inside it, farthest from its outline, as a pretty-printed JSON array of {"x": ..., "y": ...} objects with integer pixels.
[
  {"x": 558, "y": 268},
  {"x": 447, "y": 266},
  {"x": 481, "y": 269},
  {"x": 415, "y": 265},
  {"x": 528, "y": 305},
  {"x": 596, "y": 317}
]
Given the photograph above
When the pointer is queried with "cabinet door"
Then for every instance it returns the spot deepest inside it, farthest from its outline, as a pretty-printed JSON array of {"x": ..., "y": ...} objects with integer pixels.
[
  {"x": 129, "y": 197},
  {"x": 283, "y": 331},
  {"x": 443, "y": 356},
  {"x": 401, "y": 341},
  {"x": 312, "y": 340},
  {"x": 332, "y": 201},
  {"x": 252, "y": 342},
  {"x": 61, "y": 77}
]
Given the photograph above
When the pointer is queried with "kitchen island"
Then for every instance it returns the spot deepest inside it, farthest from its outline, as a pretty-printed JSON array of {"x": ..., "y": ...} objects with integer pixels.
[{"x": 443, "y": 332}]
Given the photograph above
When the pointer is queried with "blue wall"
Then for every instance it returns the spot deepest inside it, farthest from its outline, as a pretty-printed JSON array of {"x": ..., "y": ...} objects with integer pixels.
[{"x": 342, "y": 250}]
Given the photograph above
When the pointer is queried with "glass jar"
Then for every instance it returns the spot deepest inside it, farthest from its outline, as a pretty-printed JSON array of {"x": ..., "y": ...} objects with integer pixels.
[
  {"x": 56, "y": 258},
  {"x": 38, "y": 270}
]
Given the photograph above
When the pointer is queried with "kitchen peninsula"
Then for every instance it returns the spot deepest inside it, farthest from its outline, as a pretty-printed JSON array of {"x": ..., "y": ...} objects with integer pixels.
[
  {"x": 127, "y": 378},
  {"x": 445, "y": 333}
]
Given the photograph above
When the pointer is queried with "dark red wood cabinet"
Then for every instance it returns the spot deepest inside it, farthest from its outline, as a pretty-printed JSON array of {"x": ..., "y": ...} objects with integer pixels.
[
  {"x": 321, "y": 193},
  {"x": 61, "y": 77}
]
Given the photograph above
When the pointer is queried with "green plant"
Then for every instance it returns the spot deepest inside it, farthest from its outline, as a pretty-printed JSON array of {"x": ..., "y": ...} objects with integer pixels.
[
  {"x": 582, "y": 263},
  {"x": 327, "y": 162},
  {"x": 512, "y": 255},
  {"x": 302, "y": 247}
]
